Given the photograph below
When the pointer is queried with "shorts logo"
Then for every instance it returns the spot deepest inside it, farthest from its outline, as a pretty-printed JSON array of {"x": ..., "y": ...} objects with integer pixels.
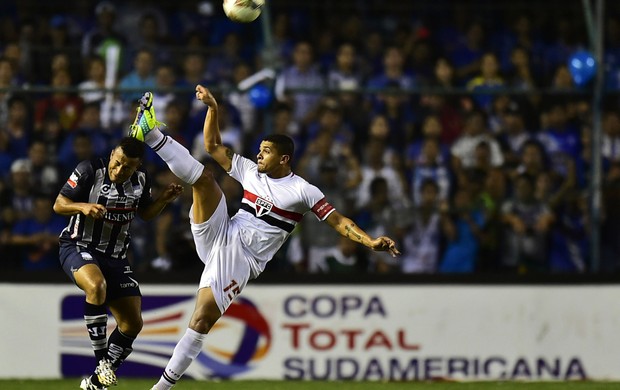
[
  {"x": 263, "y": 206},
  {"x": 86, "y": 256}
]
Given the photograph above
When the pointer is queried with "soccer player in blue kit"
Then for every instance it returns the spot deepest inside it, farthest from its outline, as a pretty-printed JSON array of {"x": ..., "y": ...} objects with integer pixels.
[
  {"x": 235, "y": 250},
  {"x": 103, "y": 196}
]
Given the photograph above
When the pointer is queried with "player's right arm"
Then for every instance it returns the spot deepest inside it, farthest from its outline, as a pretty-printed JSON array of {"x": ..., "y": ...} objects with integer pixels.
[
  {"x": 65, "y": 206},
  {"x": 70, "y": 200},
  {"x": 211, "y": 130}
]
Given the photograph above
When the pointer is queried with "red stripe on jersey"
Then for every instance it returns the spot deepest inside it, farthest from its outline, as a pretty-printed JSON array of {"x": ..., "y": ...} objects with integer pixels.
[
  {"x": 283, "y": 213},
  {"x": 322, "y": 208},
  {"x": 72, "y": 183}
]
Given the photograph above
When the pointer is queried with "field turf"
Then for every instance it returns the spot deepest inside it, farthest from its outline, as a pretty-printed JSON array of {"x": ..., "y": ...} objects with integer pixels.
[{"x": 126, "y": 384}]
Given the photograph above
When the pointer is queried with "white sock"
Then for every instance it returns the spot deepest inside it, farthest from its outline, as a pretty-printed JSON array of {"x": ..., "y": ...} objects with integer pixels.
[
  {"x": 184, "y": 354},
  {"x": 178, "y": 158}
]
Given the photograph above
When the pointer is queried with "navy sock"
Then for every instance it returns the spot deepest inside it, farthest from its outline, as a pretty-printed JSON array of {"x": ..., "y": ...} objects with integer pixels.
[
  {"x": 96, "y": 319},
  {"x": 119, "y": 347}
]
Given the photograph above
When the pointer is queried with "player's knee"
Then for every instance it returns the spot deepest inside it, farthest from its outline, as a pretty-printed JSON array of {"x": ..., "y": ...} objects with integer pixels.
[
  {"x": 96, "y": 292},
  {"x": 131, "y": 326}
]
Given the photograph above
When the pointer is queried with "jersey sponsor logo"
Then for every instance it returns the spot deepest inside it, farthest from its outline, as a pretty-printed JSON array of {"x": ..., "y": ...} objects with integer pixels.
[
  {"x": 263, "y": 206},
  {"x": 72, "y": 180},
  {"x": 120, "y": 216},
  {"x": 105, "y": 189}
]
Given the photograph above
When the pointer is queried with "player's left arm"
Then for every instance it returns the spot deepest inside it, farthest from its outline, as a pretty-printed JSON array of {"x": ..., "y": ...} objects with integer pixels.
[
  {"x": 347, "y": 228},
  {"x": 154, "y": 208}
]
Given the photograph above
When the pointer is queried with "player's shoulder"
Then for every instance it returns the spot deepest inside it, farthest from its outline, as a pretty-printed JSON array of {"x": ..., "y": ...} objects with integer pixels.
[
  {"x": 91, "y": 165},
  {"x": 301, "y": 182}
]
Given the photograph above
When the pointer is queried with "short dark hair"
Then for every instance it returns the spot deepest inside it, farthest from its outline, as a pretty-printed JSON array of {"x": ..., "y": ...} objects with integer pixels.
[
  {"x": 132, "y": 147},
  {"x": 283, "y": 143}
]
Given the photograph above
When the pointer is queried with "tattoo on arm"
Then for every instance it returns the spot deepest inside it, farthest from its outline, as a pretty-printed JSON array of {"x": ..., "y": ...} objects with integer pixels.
[
  {"x": 351, "y": 232},
  {"x": 229, "y": 154}
]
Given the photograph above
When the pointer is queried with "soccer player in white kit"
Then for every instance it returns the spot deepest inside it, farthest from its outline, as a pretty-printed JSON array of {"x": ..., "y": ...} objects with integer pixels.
[{"x": 237, "y": 249}]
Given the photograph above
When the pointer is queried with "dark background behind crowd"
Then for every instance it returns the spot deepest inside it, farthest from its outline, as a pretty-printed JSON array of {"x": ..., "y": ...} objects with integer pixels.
[{"x": 453, "y": 126}]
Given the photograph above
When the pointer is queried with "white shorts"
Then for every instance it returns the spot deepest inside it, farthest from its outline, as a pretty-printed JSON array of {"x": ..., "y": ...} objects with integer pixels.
[{"x": 227, "y": 265}]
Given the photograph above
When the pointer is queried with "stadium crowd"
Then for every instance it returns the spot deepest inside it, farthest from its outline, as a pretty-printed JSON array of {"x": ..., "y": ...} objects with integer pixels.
[{"x": 486, "y": 170}]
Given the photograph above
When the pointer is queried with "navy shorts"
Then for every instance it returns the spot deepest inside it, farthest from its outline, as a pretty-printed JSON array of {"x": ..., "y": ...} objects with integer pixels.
[{"x": 117, "y": 272}]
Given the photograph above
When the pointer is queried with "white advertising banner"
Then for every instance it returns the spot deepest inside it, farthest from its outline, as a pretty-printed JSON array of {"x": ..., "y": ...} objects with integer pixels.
[{"x": 359, "y": 332}]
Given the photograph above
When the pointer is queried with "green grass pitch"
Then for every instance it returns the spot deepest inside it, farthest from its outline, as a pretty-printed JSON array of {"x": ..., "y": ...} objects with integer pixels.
[{"x": 126, "y": 384}]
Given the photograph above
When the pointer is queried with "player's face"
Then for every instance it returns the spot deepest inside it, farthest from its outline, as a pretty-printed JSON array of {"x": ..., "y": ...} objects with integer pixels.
[
  {"x": 268, "y": 157},
  {"x": 121, "y": 167}
]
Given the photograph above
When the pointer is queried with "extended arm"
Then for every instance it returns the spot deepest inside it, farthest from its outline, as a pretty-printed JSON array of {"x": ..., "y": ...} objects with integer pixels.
[
  {"x": 211, "y": 130},
  {"x": 347, "y": 228},
  {"x": 155, "y": 208}
]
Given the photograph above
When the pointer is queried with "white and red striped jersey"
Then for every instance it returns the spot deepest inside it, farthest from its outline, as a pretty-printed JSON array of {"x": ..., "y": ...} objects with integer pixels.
[{"x": 271, "y": 208}]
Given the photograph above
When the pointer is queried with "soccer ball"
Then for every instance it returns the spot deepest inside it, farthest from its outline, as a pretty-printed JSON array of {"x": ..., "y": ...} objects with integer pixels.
[{"x": 243, "y": 11}]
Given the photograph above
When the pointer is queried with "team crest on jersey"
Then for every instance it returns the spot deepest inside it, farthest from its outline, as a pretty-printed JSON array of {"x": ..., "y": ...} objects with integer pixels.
[{"x": 263, "y": 206}]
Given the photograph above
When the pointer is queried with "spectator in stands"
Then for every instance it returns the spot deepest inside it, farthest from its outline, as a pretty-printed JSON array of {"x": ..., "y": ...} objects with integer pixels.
[
  {"x": 463, "y": 150},
  {"x": 140, "y": 78},
  {"x": 344, "y": 75},
  {"x": 430, "y": 164},
  {"x": 44, "y": 175},
  {"x": 326, "y": 147},
  {"x": 150, "y": 36},
  {"x": 13, "y": 52},
  {"x": 18, "y": 126},
  {"x": 372, "y": 54},
  {"x": 67, "y": 104},
  {"x": 513, "y": 134},
  {"x": 527, "y": 226},
  {"x": 240, "y": 100},
  {"x": 220, "y": 66},
  {"x": 561, "y": 139},
  {"x": 37, "y": 237},
  {"x": 431, "y": 129},
  {"x": 396, "y": 107},
  {"x": 469, "y": 50},
  {"x": 174, "y": 245},
  {"x": 316, "y": 237},
  {"x": 381, "y": 215},
  {"x": 463, "y": 233},
  {"x": 569, "y": 247},
  {"x": 6, "y": 159},
  {"x": 165, "y": 80},
  {"x": 520, "y": 74},
  {"x": 6, "y": 81},
  {"x": 16, "y": 201},
  {"x": 344, "y": 259},
  {"x": 104, "y": 33},
  {"x": 425, "y": 230},
  {"x": 303, "y": 73},
  {"x": 95, "y": 73},
  {"x": 374, "y": 166},
  {"x": 90, "y": 128},
  {"x": 487, "y": 78},
  {"x": 80, "y": 149}
]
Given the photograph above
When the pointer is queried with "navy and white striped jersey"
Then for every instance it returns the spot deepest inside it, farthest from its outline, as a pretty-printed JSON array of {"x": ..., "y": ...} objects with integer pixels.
[{"x": 90, "y": 183}]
